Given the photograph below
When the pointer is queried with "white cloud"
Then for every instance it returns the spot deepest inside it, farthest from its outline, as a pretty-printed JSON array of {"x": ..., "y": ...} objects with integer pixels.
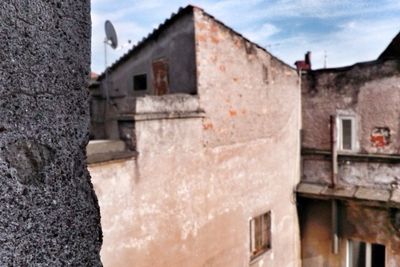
[
  {"x": 361, "y": 28},
  {"x": 261, "y": 34},
  {"x": 355, "y": 41}
]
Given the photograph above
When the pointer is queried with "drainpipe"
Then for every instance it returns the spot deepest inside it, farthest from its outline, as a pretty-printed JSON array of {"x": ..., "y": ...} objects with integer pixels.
[
  {"x": 335, "y": 227},
  {"x": 334, "y": 202},
  {"x": 334, "y": 151}
]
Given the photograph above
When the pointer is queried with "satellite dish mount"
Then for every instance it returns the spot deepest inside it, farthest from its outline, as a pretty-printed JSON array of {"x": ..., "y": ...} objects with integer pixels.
[{"x": 110, "y": 40}]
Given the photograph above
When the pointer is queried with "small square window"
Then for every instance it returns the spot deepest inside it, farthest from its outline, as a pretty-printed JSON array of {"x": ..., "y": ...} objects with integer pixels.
[
  {"x": 260, "y": 234},
  {"x": 346, "y": 133},
  {"x": 140, "y": 82}
]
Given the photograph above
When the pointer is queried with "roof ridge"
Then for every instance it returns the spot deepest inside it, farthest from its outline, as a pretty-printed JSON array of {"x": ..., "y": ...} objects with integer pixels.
[{"x": 171, "y": 19}]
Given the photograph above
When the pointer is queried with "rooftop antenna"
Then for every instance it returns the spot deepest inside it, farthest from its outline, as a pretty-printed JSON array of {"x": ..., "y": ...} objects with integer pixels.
[{"x": 325, "y": 57}]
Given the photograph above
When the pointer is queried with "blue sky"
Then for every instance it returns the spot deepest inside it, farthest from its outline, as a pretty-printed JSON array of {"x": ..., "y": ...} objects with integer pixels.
[{"x": 347, "y": 31}]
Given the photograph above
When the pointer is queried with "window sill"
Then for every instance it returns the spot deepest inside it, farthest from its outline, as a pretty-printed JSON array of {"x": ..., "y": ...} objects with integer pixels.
[{"x": 259, "y": 256}]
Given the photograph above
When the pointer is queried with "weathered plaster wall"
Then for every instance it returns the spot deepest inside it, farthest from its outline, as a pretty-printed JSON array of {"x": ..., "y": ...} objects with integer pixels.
[
  {"x": 251, "y": 97},
  {"x": 179, "y": 204},
  {"x": 175, "y": 44},
  {"x": 371, "y": 91},
  {"x": 187, "y": 199},
  {"x": 244, "y": 80},
  {"x": 378, "y": 175},
  {"x": 49, "y": 212},
  {"x": 369, "y": 224}
]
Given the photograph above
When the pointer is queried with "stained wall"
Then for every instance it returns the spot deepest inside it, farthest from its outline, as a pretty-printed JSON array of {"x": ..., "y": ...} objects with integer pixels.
[
  {"x": 188, "y": 197},
  {"x": 370, "y": 92},
  {"x": 372, "y": 224},
  {"x": 174, "y": 46}
]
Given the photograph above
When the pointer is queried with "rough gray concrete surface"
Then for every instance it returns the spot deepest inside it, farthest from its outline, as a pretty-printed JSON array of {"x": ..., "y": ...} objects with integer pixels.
[{"x": 49, "y": 214}]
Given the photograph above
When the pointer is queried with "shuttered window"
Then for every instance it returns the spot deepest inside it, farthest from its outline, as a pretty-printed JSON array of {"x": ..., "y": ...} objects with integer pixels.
[{"x": 260, "y": 234}]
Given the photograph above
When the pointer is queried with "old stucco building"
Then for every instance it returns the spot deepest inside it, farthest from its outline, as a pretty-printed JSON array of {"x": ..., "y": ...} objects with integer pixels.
[
  {"x": 208, "y": 158},
  {"x": 349, "y": 194}
]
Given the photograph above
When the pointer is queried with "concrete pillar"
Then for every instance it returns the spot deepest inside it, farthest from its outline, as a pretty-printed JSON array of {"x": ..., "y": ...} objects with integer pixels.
[{"x": 49, "y": 214}]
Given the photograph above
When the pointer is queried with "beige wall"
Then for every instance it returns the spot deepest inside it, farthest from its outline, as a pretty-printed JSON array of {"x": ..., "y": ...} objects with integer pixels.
[{"x": 187, "y": 198}]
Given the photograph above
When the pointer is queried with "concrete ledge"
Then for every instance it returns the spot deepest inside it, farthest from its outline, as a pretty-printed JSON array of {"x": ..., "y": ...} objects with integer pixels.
[
  {"x": 361, "y": 157},
  {"x": 180, "y": 103},
  {"x": 104, "y": 157},
  {"x": 346, "y": 192},
  {"x": 98, "y": 151},
  {"x": 160, "y": 116},
  {"x": 313, "y": 189},
  {"x": 104, "y": 146},
  {"x": 372, "y": 196}
]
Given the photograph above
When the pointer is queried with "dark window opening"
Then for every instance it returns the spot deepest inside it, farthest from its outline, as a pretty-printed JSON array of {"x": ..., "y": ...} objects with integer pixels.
[
  {"x": 378, "y": 255},
  {"x": 140, "y": 82},
  {"x": 260, "y": 234}
]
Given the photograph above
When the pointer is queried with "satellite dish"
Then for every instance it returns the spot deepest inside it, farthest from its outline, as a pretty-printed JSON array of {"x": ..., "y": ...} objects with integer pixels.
[{"x": 111, "y": 35}]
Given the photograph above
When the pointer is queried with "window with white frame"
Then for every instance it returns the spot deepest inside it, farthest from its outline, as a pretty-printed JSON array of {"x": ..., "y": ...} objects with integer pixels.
[
  {"x": 346, "y": 126},
  {"x": 362, "y": 254},
  {"x": 260, "y": 234}
]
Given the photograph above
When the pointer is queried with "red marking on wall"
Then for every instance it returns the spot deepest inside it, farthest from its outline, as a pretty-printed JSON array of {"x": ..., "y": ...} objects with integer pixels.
[
  {"x": 232, "y": 112},
  {"x": 201, "y": 38},
  {"x": 238, "y": 43},
  {"x": 222, "y": 68},
  {"x": 208, "y": 126},
  {"x": 214, "y": 28},
  {"x": 214, "y": 39},
  {"x": 160, "y": 74},
  {"x": 380, "y": 136},
  {"x": 201, "y": 25}
]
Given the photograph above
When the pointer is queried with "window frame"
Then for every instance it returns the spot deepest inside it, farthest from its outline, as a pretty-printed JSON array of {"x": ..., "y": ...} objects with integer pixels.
[
  {"x": 266, "y": 244},
  {"x": 339, "y": 135},
  {"x": 368, "y": 253}
]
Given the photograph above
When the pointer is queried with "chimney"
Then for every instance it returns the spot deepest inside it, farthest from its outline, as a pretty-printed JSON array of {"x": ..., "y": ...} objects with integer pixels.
[
  {"x": 307, "y": 59},
  {"x": 304, "y": 64}
]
